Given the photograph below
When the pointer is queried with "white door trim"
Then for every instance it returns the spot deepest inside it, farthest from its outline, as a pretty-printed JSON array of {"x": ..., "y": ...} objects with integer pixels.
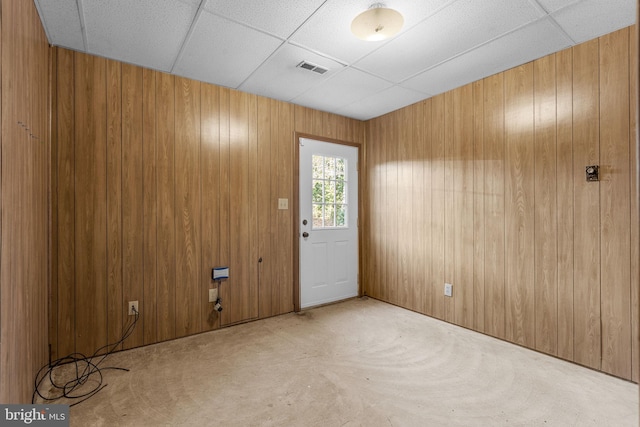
[{"x": 297, "y": 218}]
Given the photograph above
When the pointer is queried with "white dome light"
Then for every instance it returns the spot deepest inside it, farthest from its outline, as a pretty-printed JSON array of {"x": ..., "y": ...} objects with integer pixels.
[{"x": 377, "y": 23}]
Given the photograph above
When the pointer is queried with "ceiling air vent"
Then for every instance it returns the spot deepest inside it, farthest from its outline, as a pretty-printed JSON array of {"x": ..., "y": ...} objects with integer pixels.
[{"x": 312, "y": 67}]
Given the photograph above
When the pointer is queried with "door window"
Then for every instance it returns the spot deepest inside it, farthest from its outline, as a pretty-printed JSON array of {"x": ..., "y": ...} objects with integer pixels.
[{"x": 329, "y": 192}]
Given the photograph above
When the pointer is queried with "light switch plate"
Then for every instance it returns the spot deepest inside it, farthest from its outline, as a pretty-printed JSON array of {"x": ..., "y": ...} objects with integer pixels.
[
  {"x": 213, "y": 294},
  {"x": 283, "y": 203},
  {"x": 448, "y": 289}
]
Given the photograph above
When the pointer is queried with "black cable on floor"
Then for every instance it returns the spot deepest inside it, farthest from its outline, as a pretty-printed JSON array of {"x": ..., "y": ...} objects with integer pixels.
[{"x": 85, "y": 369}]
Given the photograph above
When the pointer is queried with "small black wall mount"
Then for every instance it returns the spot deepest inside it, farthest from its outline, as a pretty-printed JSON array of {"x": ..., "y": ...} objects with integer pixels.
[{"x": 592, "y": 173}]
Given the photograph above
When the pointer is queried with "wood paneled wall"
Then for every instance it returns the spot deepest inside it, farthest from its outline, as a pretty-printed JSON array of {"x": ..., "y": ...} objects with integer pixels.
[
  {"x": 24, "y": 199},
  {"x": 157, "y": 180},
  {"x": 484, "y": 187}
]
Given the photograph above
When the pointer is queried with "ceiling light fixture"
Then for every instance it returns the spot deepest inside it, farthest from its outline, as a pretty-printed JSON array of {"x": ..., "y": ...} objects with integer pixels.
[{"x": 377, "y": 23}]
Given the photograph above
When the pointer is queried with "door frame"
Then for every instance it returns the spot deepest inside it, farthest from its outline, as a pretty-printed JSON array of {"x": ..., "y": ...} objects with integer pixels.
[{"x": 296, "y": 211}]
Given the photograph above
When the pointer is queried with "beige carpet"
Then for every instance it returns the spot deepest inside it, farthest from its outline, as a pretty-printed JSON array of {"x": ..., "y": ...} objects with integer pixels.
[{"x": 357, "y": 363}]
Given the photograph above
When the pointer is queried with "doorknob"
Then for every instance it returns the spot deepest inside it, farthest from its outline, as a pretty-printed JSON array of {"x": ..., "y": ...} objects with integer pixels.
[{"x": 305, "y": 234}]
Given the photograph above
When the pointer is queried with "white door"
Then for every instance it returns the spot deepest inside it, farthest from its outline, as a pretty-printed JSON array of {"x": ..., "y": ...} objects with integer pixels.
[{"x": 329, "y": 222}]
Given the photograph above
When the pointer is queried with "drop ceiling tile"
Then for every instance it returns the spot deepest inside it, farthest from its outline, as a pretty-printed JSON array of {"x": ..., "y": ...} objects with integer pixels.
[
  {"x": 531, "y": 42},
  {"x": 280, "y": 18},
  {"x": 329, "y": 29},
  {"x": 381, "y": 103},
  {"x": 223, "y": 52},
  {"x": 280, "y": 78},
  {"x": 145, "y": 32},
  {"x": 61, "y": 20},
  {"x": 592, "y": 18},
  {"x": 455, "y": 29},
  {"x": 344, "y": 88}
]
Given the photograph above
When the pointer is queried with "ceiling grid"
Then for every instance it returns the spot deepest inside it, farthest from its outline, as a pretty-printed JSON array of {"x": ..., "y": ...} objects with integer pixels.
[{"x": 256, "y": 45}]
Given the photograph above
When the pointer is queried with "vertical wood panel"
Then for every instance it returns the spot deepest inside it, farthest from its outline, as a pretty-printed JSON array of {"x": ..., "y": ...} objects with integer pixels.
[
  {"x": 463, "y": 205},
  {"x": 303, "y": 119},
  {"x": 366, "y": 250},
  {"x": 586, "y": 148},
  {"x": 404, "y": 208},
  {"x": 166, "y": 210},
  {"x": 383, "y": 288},
  {"x": 380, "y": 209},
  {"x": 251, "y": 298},
  {"x": 375, "y": 205},
  {"x": 449, "y": 207},
  {"x": 385, "y": 212},
  {"x": 329, "y": 125},
  {"x": 519, "y": 205},
  {"x": 316, "y": 123},
  {"x": 479, "y": 169},
  {"x": 66, "y": 170},
  {"x": 150, "y": 201},
  {"x": 91, "y": 196},
  {"x": 308, "y": 121},
  {"x": 224, "y": 198},
  {"x": 210, "y": 196},
  {"x": 344, "y": 132},
  {"x": 187, "y": 198},
  {"x": 420, "y": 217},
  {"x": 494, "y": 205},
  {"x": 392, "y": 245},
  {"x": 273, "y": 202},
  {"x": 265, "y": 209},
  {"x": 428, "y": 212},
  {"x": 545, "y": 213},
  {"x": 438, "y": 206},
  {"x": 635, "y": 211},
  {"x": 53, "y": 260},
  {"x": 371, "y": 281},
  {"x": 615, "y": 204},
  {"x": 132, "y": 199},
  {"x": 114, "y": 202},
  {"x": 285, "y": 190},
  {"x": 240, "y": 281},
  {"x": 564, "y": 188}
]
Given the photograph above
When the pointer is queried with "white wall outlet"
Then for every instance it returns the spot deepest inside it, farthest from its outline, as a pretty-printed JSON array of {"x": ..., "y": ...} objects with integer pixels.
[
  {"x": 448, "y": 289},
  {"x": 283, "y": 203},
  {"x": 213, "y": 294},
  {"x": 133, "y": 308}
]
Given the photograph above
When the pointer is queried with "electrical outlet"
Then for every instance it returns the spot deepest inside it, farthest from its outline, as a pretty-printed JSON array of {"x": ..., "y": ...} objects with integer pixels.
[
  {"x": 133, "y": 308},
  {"x": 213, "y": 294},
  {"x": 283, "y": 203},
  {"x": 448, "y": 289}
]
